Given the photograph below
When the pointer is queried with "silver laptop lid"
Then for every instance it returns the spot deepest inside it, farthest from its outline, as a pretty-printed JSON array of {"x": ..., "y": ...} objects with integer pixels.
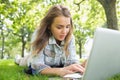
[{"x": 104, "y": 59}]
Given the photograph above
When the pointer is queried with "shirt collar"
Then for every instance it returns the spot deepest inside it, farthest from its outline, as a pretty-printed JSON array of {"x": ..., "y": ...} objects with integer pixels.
[{"x": 53, "y": 41}]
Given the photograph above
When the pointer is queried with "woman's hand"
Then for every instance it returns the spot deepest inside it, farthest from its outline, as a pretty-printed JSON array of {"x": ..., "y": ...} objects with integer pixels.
[
  {"x": 84, "y": 63},
  {"x": 75, "y": 68}
]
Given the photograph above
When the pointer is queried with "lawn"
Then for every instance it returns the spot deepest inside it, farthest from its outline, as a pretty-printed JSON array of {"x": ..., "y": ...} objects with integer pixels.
[{"x": 10, "y": 71}]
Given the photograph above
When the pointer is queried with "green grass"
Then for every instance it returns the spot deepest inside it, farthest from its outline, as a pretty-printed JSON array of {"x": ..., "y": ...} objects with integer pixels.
[
  {"x": 10, "y": 71},
  {"x": 115, "y": 77}
]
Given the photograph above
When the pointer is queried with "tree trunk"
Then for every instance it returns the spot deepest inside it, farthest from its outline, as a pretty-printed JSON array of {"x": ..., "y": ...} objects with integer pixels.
[
  {"x": 80, "y": 48},
  {"x": 23, "y": 40},
  {"x": 110, "y": 11},
  {"x": 3, "y": 40},
  {"x": 23, "y": 46}
]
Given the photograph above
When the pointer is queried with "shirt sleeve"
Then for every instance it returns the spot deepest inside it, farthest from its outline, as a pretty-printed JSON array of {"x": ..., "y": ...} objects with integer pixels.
[
  {"x": 72, "y": 57},
  {"x": 38, "y": 62}
]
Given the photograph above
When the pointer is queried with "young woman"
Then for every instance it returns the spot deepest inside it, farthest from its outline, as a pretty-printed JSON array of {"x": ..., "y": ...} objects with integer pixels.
[{"x": 53, "y": 44}]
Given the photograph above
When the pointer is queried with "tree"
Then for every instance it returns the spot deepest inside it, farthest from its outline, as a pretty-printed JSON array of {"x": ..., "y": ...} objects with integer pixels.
[
  {"x": 26, "y": 14},
  {"x": 110, "y": 11},
  {"x": 3, "y": 40}
]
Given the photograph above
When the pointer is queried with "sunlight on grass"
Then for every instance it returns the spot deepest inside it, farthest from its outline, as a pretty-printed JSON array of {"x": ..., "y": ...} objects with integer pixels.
[{"x": 10, "y": 71}]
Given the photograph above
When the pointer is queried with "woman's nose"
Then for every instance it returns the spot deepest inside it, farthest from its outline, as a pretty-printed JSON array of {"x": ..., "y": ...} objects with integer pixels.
[{"x": 64, "y": 30}]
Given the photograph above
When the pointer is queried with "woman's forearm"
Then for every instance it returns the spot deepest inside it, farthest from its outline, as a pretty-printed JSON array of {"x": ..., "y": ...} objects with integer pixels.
[
  {"x": 63, "y": 71},
  {"x": 53, "y": 71}
]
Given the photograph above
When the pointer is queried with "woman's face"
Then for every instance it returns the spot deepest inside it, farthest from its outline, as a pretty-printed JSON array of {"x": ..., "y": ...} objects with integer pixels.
[{"x": 60, "y": 27}]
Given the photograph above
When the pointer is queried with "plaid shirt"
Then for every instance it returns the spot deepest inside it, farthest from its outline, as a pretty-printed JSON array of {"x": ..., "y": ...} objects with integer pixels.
[{"x": 53, "y": 55}]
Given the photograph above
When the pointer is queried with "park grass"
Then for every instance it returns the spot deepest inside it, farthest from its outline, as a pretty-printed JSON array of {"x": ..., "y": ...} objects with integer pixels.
[
  {"x": 115, "y": 77},
  {"x": 10, "y": 71}
]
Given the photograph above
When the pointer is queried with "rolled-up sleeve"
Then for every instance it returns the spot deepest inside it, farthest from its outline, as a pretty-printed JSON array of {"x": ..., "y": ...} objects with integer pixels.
[{"x": 72, "y": 57}]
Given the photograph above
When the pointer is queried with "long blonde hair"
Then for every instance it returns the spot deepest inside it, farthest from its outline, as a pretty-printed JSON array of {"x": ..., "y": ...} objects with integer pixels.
[{"x": 43, "y": 32}]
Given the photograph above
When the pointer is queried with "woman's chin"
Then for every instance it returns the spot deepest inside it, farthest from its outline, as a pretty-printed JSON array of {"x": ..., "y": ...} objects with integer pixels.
[{"x": 61, "y": 39}]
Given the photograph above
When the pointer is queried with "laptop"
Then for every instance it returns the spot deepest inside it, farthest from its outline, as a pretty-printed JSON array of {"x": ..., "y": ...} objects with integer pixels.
[{"x": 104, "y": 59}]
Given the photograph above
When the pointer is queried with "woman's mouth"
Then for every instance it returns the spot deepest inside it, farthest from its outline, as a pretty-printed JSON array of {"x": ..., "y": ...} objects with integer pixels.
[{"x": 62, "y": 37}]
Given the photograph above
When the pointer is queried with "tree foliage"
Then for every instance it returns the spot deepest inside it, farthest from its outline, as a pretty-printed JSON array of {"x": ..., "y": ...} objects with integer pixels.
[{"x": 19, "y": 18}]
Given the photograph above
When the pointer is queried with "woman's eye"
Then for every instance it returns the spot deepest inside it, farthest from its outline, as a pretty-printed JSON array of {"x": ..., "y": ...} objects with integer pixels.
[
  {"x": 67, "y": 26},
  {"x": 59, "y": 27}
]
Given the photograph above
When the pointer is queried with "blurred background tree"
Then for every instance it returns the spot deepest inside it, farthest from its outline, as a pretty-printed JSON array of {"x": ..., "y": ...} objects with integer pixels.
[
  {"x": 19, "y": 18},
  {"x": 110, "y": 11}
]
